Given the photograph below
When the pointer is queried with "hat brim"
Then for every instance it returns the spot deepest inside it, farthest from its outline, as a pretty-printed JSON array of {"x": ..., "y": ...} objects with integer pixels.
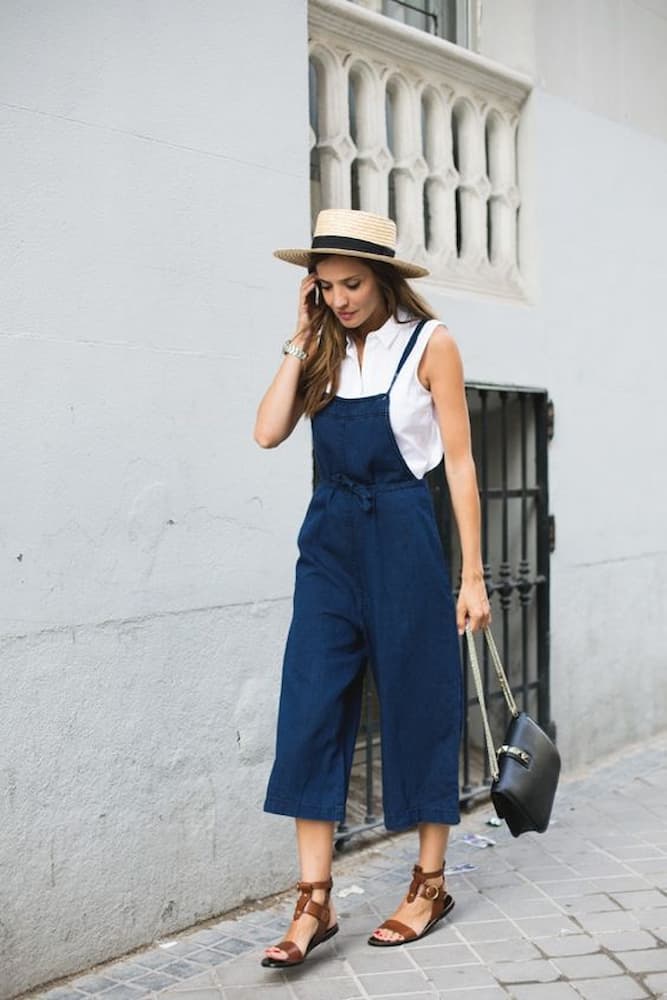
[{"x": 303, "y": 257}]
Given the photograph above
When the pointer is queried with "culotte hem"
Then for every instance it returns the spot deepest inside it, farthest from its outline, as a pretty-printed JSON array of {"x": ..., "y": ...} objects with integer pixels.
[{"x": 449, "y": 814}]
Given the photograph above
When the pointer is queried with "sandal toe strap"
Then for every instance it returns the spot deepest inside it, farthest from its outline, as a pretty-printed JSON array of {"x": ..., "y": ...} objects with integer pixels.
[
  {"x": 395, "y": 925},
  {"x": 293, "y": 952}
]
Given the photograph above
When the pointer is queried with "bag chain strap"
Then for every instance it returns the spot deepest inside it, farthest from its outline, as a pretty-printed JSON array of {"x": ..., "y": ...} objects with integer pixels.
[{"x": 504, "y": 686}]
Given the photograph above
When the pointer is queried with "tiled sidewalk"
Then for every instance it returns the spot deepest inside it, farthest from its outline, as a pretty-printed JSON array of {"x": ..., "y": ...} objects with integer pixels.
[{"x": 578, "y": 912}]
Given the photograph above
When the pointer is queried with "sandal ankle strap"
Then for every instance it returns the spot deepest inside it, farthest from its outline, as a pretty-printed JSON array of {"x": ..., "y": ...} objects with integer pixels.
[
  {"x": 309, "y": 886},
  {"x": 418, "y": 885},
  {"x": 306, "y": 904},
  {"x": 419, "y": 873}
]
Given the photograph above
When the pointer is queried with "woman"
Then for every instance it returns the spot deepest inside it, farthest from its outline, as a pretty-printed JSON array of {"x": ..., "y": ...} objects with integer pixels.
[{"x": 382, "y": 381}]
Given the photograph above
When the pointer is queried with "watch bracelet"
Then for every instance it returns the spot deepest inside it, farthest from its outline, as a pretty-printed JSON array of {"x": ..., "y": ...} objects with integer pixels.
[{"x": 294, "y": 350}]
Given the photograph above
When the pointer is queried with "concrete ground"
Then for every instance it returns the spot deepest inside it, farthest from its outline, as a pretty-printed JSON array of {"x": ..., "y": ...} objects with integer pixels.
[{"x": 580, "y": 911}]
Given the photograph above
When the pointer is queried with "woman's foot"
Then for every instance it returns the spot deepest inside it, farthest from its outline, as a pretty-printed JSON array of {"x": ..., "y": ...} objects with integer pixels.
[
  {"x": 426, "y": 902},
  {"x": 314, "y": 922}
]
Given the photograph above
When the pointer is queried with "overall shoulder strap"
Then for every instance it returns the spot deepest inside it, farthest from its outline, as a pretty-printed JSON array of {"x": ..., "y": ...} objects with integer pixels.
[{"x": 406, "y": 353}]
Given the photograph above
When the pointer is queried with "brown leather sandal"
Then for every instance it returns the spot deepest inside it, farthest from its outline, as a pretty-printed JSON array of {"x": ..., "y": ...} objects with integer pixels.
[
  {"x": 442, "y": 904},
  {"x": 305, "y": 904}
]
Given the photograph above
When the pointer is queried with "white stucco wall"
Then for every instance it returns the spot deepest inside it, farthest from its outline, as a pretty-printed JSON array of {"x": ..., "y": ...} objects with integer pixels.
[
  {"x": 606, "y": 56},
  {"x": 594, "y": 147},
  {"x": 592, "y": 339},
  {"x": 152, "y": 157}
]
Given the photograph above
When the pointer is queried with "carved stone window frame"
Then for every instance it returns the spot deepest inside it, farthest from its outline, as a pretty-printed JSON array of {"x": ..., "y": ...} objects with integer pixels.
[{"x": 408, "y": 124}]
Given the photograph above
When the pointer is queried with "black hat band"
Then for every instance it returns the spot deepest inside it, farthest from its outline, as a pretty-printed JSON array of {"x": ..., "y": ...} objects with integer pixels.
[{"x": 350, "y": 243}]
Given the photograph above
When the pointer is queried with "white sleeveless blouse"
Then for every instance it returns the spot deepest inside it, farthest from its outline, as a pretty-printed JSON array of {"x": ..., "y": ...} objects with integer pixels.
[{"x": 411, "y": 411}]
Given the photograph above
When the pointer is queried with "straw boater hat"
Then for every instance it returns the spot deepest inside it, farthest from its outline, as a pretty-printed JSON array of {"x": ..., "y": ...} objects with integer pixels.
[{"x": 350, "y": 233}]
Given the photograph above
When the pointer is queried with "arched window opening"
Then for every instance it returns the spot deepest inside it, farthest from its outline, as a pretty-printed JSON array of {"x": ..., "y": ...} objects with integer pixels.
[
  {"x": 426, "y": 209},
  {"x": 459, "y": 238}
]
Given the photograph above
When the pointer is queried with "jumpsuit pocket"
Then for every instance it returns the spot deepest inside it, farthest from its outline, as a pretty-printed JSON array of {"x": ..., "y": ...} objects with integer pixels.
[{"x": 309, "y": 527}]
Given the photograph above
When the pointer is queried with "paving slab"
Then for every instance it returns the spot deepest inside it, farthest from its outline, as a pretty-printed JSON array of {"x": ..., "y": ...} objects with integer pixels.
[
  {"x": 496, "y": 951},
  {"x": 629, "y": 941},
  {"x": 537, "y": 971},
  {"x": 390, "y": 983},
  {"x": 345, "y": 988},
  {"x": 545, "y": 991},
  {"x": 657, "y": 985},
  {"x": 200, "y": 994},
  {"x": 654, "y": 960},
  {"x": 620, "y": 988},
  {"x": 277, "y": 992},
  {"x": 462, "y": 976},
  {"x": 492, "y": 993},
  {"x": 440, "y": 956},
  {"x": 579, "y": 912},
  {"x": 568, "y": 944},
  {"x": 588, "y": 966}
]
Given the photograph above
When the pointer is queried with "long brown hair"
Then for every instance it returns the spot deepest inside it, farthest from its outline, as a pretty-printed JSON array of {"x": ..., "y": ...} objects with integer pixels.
[{"x": 322, "y": 369}]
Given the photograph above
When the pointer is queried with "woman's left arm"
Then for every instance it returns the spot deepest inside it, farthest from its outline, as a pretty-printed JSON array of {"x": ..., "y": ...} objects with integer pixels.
[{"x": 441, "y": 372}]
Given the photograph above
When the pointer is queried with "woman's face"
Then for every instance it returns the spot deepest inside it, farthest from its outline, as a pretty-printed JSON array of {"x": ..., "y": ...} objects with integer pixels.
[{"x": 350, "y": 289}]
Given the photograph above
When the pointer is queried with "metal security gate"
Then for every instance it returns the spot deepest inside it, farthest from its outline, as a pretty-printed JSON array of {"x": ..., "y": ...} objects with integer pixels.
[{"x": 511, "y": 427}]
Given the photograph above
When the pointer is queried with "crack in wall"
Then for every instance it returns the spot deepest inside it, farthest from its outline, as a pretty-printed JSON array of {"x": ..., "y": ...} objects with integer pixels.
[
  {"x": 72, "y": 627},
  {"x": 123, "y": 344},
  {"x": 143, "y": 137}
]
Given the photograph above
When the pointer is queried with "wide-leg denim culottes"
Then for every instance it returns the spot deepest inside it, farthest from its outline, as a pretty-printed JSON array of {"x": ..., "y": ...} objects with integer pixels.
[{"x": 372, "y": 585}]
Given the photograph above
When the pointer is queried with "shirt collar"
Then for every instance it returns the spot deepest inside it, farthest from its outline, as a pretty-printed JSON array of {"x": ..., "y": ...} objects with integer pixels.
[{"x": 387, "y": 333}]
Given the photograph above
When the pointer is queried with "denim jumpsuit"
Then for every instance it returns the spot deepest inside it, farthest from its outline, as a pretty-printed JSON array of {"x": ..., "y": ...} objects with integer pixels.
[{"x": 372, "y": 585}]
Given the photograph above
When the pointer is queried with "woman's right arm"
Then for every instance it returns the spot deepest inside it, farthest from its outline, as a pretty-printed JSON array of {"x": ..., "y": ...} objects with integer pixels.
[{"x": 282, "y": 404}]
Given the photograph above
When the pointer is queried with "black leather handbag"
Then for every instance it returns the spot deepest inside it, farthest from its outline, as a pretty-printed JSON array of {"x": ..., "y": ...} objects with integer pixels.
[{"x": 526, "y": 767}]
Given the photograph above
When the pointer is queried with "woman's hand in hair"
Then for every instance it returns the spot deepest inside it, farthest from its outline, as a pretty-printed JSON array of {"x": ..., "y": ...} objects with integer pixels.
[
  {"x": 282, "y": 404},
  {"x": 306, "y": 309}
]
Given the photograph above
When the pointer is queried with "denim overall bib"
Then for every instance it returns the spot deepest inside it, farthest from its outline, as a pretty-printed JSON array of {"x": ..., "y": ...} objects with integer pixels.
[{"x": 372, "y": 585}]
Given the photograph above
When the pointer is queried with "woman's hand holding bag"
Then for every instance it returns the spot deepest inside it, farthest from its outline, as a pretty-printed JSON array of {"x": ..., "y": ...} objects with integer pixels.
[{"x": 526, "y": 767}]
